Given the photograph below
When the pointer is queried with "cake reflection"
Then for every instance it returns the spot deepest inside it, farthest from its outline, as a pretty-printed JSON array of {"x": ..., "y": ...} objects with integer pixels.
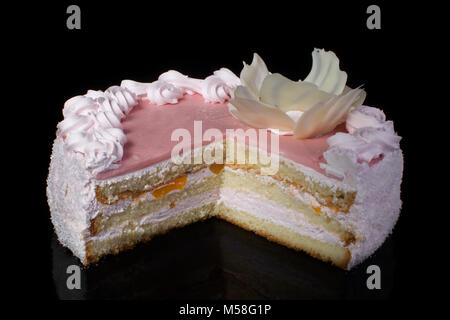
[{"x": 214, "y": 259}]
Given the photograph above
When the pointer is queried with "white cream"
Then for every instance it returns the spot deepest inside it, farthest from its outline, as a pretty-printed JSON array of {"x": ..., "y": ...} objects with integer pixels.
[
  {"x": 121, "y": 205},
  {"x": 260, "y": 207},
  {"x": 92, "y": 128},
  {"x": 172, "y": 85},
  {"x": 307, "y": 198},
  {"x": 92, "y": 122},
  {"x": 163, "y": 214},
  {"x": 370, "y": 136}
]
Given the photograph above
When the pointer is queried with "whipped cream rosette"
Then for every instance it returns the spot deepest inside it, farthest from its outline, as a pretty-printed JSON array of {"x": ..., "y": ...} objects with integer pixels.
[
  {"x": 92, "y": 126},
  {"x": 92, "y": 122},
  {"x": 172, "y": 85}
]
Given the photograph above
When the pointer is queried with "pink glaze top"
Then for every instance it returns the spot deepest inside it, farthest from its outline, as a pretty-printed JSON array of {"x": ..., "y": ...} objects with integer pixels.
[{"x": 149, "y": 128}]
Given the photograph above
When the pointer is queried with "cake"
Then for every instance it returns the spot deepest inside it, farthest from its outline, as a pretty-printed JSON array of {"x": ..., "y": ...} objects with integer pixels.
[{"x": 302, "y": 163}]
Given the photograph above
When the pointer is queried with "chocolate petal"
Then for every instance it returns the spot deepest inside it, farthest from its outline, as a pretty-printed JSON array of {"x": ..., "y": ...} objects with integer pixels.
[
  {"x": 252, "y": 76},
  {"x": 261, "y": 115},
  {"x": 325, "y": 72},
  {"x": 325, "y": 116},
  {"x": 280, "y": 91}
]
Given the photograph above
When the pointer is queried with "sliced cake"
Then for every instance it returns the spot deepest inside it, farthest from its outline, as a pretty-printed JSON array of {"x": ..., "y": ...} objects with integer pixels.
[{"x": 302, "y": 163}]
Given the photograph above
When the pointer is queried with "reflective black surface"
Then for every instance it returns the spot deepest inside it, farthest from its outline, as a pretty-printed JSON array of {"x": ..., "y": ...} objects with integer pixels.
[
  {"x": 213, "y": 259},
  {"x": 217, "y": 260}
]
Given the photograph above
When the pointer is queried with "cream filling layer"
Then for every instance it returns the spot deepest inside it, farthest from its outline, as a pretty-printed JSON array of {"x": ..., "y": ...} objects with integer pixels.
[
  {"x": 260, "y": 207},
  {"x": 121, "y": 205},
  {"x": 251, "y": 203},
  {"x": 306, "y": 197},
  {"x": 164, "y": 213}
]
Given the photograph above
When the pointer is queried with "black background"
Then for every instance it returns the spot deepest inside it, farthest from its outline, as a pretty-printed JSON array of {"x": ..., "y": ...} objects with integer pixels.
[{"x": 140, "y": 41}]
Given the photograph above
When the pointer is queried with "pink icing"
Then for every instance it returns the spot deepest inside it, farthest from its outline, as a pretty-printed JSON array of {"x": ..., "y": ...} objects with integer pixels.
[{"x": 149, "y": 128}]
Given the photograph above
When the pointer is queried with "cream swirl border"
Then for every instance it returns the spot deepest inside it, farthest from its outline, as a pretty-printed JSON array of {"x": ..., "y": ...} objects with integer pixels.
[
  {"x": 92, "y": 122},
  {"x": 369, "y": 137}
]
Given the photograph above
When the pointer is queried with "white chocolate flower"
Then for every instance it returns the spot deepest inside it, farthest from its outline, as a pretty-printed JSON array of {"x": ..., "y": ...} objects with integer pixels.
[{"x": 306, "y": 109}]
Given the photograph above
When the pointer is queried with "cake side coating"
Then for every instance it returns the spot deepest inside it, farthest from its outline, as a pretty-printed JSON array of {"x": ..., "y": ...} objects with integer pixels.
[
  {"x": 70, "y": 196},
  {"x": 377, "y": 205}
]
